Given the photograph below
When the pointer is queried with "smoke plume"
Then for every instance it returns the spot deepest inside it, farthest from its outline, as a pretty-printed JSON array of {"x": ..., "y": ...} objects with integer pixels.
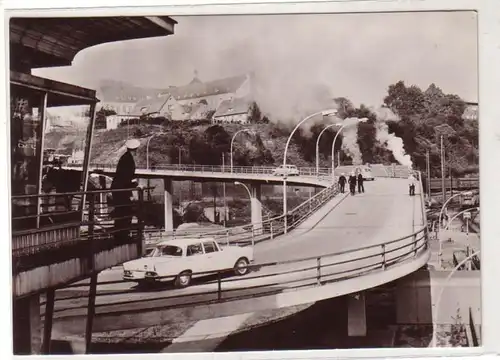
[
  {"x": 393, "y": 143},
  {"x": 350, "y": 140}
]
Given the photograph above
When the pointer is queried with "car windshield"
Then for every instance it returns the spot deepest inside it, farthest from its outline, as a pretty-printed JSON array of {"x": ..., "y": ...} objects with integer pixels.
[{"x": 165, "y": 250}]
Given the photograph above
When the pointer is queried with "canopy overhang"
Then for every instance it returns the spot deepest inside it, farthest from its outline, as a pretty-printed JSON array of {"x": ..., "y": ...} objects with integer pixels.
[{"x": 48, "y": 42}]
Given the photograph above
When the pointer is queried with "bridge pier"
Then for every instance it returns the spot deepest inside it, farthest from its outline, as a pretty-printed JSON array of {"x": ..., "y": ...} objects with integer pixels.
[
  {"x": 356, "y": 314},
  {"x": 168, "y": 204},
  {"x": 256, "y": 207},
  {"x": 27, "y": 326}
]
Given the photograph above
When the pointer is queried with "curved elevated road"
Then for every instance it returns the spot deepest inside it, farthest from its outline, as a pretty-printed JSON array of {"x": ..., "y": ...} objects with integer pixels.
[
  {"x": 219, "y": 174},
  {"x": 384, "y": 213}
]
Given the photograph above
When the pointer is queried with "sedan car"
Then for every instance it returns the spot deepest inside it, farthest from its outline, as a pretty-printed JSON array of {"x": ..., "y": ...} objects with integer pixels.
[{"x": 184, "y": 259}]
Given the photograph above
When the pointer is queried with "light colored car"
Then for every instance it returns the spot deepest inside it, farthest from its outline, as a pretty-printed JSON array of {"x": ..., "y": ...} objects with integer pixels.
[
  {"x": 183, "y": 258},
  {"x": 367, "y": 174},
  {"x": 288, "y": 170}
]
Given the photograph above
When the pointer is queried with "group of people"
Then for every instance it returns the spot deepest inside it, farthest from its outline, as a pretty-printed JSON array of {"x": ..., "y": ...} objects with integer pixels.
[{"x": 352, "y": 181}]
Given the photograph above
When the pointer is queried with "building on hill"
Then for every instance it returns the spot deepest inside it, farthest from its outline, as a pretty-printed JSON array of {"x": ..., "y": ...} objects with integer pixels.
[
  {"x": 196, "y": 100},
  {"x": 235, "y": 111},
  {"x": 121, "y": 98},
  {"x": 471, "y": 112}
]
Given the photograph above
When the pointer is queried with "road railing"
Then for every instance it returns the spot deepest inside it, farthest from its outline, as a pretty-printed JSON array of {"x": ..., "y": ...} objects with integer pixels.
[
  {"x": 251, "y": 234},
  {"x": 265, "y": 279}
]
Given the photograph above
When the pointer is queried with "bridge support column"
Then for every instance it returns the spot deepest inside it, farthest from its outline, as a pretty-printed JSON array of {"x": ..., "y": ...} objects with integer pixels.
[
  {"x": 27, "y": 326},
  {"x": 356, "y": 315},
  {"x": 168, "y": 204},
  {"x": 256, "y": 207}
]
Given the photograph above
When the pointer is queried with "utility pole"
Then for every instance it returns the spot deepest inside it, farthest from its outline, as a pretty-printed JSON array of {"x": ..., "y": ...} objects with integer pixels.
[
  {"x": 443, "y": 188},
  {"x": 428, "y": 162},
  {"x": 224, "y": 192}
]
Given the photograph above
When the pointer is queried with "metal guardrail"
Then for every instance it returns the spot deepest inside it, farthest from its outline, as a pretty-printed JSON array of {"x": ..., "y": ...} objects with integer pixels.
[
  {"x": 279, "y": 276},
  {"x": 253, "y": 233},
  {"x": 297, "y": 273}
]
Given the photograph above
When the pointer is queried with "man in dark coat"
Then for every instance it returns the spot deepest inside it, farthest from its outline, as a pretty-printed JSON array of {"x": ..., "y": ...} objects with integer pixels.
[
  {"x": 342, "y": 181},
  {"x": 361, "y": 186},
  {"x": 352, "y": 183},
  {"x": 124, "y": 179}
]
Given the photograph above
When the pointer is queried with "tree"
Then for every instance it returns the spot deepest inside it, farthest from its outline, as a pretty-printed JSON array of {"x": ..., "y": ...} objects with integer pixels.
[{"x": 255, "y": 113}]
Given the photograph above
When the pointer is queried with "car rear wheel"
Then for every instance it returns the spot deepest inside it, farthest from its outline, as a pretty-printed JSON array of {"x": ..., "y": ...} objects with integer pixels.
[
  {"x": 183, "y": 279},
  {"x": 241, "y": 266}
]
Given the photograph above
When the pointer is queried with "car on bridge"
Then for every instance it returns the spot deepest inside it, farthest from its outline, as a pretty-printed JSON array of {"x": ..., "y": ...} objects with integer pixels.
[
  {"x": 367, "y": 173},
  {"x": 286, "y": 170},
  {"x": 184, "y": 259}
]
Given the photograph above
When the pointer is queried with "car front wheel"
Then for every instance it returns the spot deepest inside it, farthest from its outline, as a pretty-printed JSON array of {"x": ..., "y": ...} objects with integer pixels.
[
  {"x": 183, "y": 279},
  {"x": 241, "y": 267}
]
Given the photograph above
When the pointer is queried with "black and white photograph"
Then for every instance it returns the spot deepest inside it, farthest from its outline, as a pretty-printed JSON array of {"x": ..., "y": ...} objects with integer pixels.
[{"x": 244, "y": 182}]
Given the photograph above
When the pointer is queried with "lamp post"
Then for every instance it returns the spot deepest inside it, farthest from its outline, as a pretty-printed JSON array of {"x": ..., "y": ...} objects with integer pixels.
[
  {"x": 446, "y": 228},
  {"x": 232, "y": 140},
  {"x": 317, "y": 146},
  {"x": 335, "y": 140},
  {"x": 438, "y": 301},
  {"x": 444, "y": 206},
  {"x": 324, "y": 113},
  {"x": 246, "y": 188}
]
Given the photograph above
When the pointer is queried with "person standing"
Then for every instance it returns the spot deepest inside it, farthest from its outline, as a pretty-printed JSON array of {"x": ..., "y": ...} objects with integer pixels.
[
  {"x": 411, "y": 184},
  {"x": 342, "y": 182},
  {"x": 352, "y": 183},
  {"x": 361, "y": 186},
  {"x": 124, "y": 179}
]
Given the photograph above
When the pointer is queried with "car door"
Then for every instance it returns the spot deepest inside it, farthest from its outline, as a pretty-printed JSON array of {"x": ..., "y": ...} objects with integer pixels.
[
  {"x": 213, "y": 256},
  {"x": 196, "y": 258}
]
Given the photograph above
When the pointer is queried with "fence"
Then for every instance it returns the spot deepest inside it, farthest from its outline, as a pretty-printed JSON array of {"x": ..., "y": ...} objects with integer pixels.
[
  {"x": 272, "y": 278},
  {"x": 60, "y": 223},
  {"x": 253, "y": 233}
]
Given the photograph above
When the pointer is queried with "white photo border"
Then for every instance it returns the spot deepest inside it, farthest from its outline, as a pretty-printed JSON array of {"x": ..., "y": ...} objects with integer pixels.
[{"x": 489, "y": 90}]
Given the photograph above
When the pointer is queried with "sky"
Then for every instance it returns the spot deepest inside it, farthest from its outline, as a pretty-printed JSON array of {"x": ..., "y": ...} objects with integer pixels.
[{"x": 298, "y": 58}]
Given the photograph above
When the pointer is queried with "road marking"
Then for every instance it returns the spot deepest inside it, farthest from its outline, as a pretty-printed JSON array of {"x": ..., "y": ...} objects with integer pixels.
[{"x": 216, "y": 330}]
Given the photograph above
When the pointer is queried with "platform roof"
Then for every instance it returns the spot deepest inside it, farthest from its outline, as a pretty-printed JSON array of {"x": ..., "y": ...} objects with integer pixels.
[
  {"x": 59, "y": 94},
  {"x": 48, "y": 42}
]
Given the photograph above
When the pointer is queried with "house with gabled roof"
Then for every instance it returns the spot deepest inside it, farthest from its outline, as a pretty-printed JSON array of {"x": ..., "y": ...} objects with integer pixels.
[
  {"x": 235, "y": 111},
  {"x": 194, "y": 100}
]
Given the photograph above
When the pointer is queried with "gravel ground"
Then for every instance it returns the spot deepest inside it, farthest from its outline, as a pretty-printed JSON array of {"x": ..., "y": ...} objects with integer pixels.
[{"x": 166, "y": 333}]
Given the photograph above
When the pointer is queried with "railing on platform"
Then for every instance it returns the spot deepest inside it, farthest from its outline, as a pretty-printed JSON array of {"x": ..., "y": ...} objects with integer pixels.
[{"x": 61, "y": 223}]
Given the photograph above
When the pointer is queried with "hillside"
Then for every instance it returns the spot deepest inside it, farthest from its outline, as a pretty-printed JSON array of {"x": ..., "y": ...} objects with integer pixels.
[{"x": 413, "y": 125}]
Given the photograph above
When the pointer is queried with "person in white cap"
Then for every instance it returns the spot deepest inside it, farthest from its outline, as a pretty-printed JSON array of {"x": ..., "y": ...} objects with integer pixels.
[{"x": 124, "y": 179}]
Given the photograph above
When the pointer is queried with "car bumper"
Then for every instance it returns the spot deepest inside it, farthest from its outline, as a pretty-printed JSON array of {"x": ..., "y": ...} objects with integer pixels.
[{"x": 139, "y": 275}]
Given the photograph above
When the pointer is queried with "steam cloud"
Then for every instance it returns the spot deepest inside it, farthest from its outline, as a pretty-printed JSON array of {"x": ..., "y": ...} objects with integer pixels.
[
  {"x": 393, "y": 143},
  {"x": 350, "y": 140}
]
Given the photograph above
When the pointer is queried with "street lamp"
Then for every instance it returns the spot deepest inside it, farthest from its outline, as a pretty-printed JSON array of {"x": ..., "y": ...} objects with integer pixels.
[
  {"x": 317, "y": 146},
  {"x": 248, "y": 131},
  {"x": 246, "y": 188},
  {"x": 335, "y": 140},
  {"x": 323, "y": 113},
  {"x": 440, "y": 295},
  {"x": 446, "y": 228},
  {"x": 444, "y": 206}
]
